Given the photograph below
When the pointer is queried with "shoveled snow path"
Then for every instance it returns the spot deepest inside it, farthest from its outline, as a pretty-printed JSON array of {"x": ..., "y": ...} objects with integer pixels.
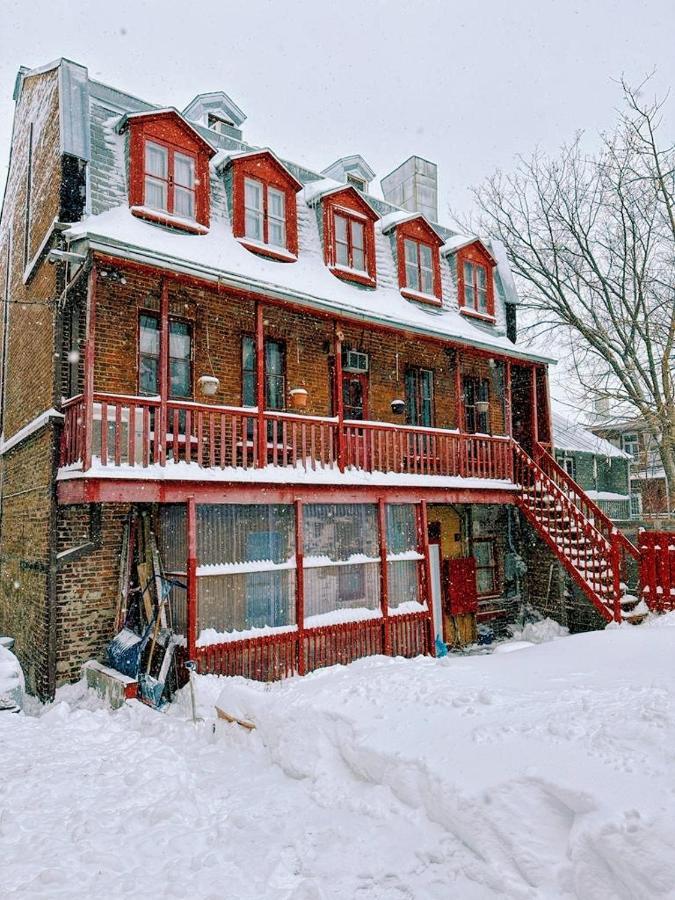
[{"x": 547, "y": 772}]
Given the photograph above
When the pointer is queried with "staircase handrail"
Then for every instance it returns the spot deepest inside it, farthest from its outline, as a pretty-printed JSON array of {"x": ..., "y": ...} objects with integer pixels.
[{"x": 609, "y": 528}]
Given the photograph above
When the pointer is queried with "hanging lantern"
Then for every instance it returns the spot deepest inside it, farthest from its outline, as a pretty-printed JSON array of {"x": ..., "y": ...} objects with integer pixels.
[{"x": 398, "y": 407}]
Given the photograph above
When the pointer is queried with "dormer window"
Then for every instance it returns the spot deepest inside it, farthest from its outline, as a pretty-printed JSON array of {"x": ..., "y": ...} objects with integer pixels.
[
  {"x": 265, "y": 213},
  {"x": 348, "y": 231},
  {"x": 355, "y": 181},
  {"x": 475, "y": 282},
  {"x": 417, "y": 253},
  {"x": 264, "y": 210},
  {"x": 168, "y": 170},
  {"x": 350, "y": 245},
  {"x": 419, "y": 267},
  {"x": 169, "y": 180}
]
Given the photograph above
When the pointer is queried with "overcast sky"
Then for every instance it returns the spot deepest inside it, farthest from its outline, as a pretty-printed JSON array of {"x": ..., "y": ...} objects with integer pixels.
[{"x": 467, "y": 85}]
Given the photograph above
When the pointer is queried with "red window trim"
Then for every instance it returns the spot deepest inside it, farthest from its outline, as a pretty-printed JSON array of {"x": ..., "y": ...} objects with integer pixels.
[
  {"x": 349, "y": 205},
  {"x": 168, "y": 130},
  {"x": 265, "y": 169},
  {"x": 476, "y": 256},
  {"x": 420, "y": 232}
]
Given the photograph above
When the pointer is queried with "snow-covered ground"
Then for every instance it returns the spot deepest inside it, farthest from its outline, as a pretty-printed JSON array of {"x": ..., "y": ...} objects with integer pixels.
[{"x": 545, "y": 772}]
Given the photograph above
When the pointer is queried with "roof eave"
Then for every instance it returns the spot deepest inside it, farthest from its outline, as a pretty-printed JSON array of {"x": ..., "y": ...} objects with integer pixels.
[{"x": 104, "y": 244}]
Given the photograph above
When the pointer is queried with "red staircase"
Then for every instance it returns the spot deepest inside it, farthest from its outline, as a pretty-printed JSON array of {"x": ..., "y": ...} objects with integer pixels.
[{"x": 582, "y": 537}]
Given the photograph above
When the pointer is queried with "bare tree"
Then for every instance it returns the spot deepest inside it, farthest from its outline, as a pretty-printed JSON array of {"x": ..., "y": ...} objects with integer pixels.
[{"x": 592, "y": 243}]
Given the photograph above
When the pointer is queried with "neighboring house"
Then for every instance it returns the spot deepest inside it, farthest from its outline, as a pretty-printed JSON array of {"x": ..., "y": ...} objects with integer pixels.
[
  {"x": 313, "y": 398},
  {"x": 650, "y": 491},
  {"x": 600, "y": 468}
]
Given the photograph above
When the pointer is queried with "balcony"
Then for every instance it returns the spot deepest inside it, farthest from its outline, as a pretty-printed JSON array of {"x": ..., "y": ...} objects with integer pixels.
[{"x": 122, "y": 433}]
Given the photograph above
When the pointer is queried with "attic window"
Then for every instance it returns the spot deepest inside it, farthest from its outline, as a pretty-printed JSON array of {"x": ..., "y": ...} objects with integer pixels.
[
  {"x": 475, "y": 284},
  {"x": 419, "y": 268},
  {"x": 264, "y": 211},
  {"x": 220, "y": 124},
  {"x": 169, "y": 171},
  {"x": 349, "y": 236},
  {"x": 357, "y": 182}
]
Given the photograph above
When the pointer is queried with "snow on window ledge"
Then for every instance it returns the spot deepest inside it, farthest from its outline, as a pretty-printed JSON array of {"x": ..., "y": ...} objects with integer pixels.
[
  {"x": 209, "y": 636},
  {"x": 171, "y": 221},
  {"x": 348, "y": 274},
  {"x": 472, "y": 314},
  {"x": 421, "y": 297},
  {"x": 278, "y": 253},
  {"x": 408, "y": 607}
]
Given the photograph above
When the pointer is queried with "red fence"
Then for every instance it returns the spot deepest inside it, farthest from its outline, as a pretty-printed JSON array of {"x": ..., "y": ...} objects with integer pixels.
[
  {"x": 141, "y": 431},
  {"x": 277, "y": 656},
  {"x": 657, "y": 569}
]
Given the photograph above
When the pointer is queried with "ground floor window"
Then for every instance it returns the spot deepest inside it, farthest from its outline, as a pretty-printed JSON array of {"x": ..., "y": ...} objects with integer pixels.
[
  {"x": 342, "y": 563},
  {"x": 486, "y": 566},
  {"x": 402, "y": 554}
]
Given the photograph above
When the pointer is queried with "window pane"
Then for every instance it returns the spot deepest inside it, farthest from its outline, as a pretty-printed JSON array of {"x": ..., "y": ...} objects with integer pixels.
[
  {"x": 481, "y": 277},
  {"x": 179, "y": 340},
  {"x": 425, "y": 256},
  {"x": 274, "y": 357},
  {"x": 276, "y": 233},
  {"x": 184, "y": 203},
  {"x": 248, "y": 397},
  {"x": 179, "y": 372},
  {"x": 248, "y": 354},
  {"x": 410, "y": 252},
  {"x": 274, "y": 391},
  {"x": 149, "y": 335},
  {"x": 341, "y": 254},
  {"x": 469, "y": 296},
  {"x": 341, "y": 229},
  {"x": 485, "y": 582},
  {"x": 482, "y": 551},
  {"x": 357, "y": 235},
  {"x": 156, "y": 160},
  {"x": 253, "y": 194},
  {"x": 155, "y": 194},
  {"x": 358, "y": 259},
  {"x": 427, "y": 281},
  {"x": 275, "y": 200},
  {"x": 254, "y": 225},
  {"x": 149, "y": 381},
  {"x": 412, "y": 277},
  {"x": 184, "y": 170}
]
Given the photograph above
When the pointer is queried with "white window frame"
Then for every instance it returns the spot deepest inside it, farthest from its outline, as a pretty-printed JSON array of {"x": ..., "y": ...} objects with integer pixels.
[
  {"x": 256, "y": 212},
  {"x": 279, "y": 220},
  {"x": 631, "y": 438}
]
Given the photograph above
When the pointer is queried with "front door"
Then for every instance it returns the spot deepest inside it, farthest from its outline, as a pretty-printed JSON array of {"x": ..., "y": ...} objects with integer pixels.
[
  {"x": 521, "y": 406},
  {"x": 476, "y": 391}
]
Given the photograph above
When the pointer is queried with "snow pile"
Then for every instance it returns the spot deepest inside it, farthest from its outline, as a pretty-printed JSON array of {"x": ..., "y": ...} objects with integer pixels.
[
  {"x": 11, "y": 680},
  {"x": 543, "y": 774},
  {"x": 538, "y": 632}
]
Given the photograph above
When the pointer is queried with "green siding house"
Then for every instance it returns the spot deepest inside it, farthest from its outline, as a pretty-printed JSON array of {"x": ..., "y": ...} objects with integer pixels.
[{"x": 597, "y": 466}]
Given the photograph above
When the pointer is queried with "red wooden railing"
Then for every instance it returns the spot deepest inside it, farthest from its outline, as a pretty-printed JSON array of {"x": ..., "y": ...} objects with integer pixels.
[
  {"x": 657, "y": 569},
  {"x": 141, "y": 431},
  {"x": 277, "y": 656}
]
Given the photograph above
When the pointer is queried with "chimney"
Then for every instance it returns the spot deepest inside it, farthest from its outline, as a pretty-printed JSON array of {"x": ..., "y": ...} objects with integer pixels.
[{"x": 413, "y": 186}]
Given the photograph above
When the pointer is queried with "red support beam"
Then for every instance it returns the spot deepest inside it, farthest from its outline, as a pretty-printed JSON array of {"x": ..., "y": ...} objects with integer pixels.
[
  {"x": 191, "y": 578},
  {"x": 260, "y": 383},
  {"x": 615, "y": 554},
  {"x": 384, "y": 572},
  {"x": 339, "y": 400},
  {"x": 508, "y": 410},
  {"x": 300, "y": 585},
  {"x": 426, "y": 564},
  {"x": 160, "y": 427},
  {"x": 89, "y": 354},
  {"x": 535, "y": 417}
]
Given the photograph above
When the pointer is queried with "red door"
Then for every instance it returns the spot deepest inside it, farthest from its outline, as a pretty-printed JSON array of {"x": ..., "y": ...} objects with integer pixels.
[{"x": 460, "y": 595}]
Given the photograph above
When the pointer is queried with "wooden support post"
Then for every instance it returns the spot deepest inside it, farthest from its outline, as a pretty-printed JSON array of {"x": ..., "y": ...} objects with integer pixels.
[
  {"x": 89, "y": 352},
  {"x": 616, "y": 574},
  {"x": 260, "y": 384},
  {"x": 161, "y": 425},
  {"x": 191, "y": 578},
  {"x": 300, "y": 586},
  {"x": 508, "y": 410},
  {"x": 535, "y": 420},
  {"x": 426, "y": 563},
  {"x": 459, "y": 402},
  {"x": 339, "y": 403},
  {"x": 384, "y": 573}
]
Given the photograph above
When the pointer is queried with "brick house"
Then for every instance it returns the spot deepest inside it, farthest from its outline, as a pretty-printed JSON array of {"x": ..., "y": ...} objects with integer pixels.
[{"x": 317, "y": 395}]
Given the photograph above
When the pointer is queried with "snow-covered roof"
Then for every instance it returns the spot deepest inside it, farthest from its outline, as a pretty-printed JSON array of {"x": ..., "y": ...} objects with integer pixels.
[{"x": 568, "y": 435}]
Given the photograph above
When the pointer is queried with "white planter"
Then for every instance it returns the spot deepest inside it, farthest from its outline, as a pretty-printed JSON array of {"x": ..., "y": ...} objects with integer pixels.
[
  {"x": 208, "y": 385},
  {"x": 482, "y": 406}
]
